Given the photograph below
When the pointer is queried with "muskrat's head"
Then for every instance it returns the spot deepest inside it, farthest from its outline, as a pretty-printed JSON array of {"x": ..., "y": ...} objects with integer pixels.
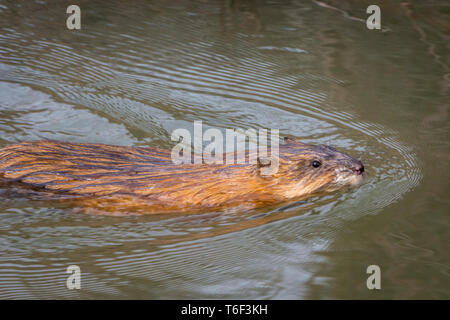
[{"x": 317, "y": 168}]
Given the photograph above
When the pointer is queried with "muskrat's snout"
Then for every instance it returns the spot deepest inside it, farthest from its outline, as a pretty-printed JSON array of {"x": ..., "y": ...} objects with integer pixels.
[
  {"x": 358, "y": 168},
  {"x": 353, "y": 174}
]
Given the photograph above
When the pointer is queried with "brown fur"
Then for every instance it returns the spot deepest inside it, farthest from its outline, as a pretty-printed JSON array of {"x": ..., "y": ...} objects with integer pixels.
[{"x": 144, "y": 180}]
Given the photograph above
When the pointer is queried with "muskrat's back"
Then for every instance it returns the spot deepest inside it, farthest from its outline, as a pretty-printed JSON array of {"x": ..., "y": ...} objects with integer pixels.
[{"x": 144, "y": 180}]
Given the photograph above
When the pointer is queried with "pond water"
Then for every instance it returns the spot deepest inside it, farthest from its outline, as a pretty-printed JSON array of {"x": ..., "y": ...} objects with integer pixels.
[{"x": 137, "y": 70}]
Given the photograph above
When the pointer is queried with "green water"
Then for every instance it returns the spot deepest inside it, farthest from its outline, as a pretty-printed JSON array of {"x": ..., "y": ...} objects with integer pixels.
[{"x": 138, "y": 70}]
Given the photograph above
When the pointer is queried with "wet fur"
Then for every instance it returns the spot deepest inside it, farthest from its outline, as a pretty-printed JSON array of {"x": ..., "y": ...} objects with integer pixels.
[{"x": 144, "y": 180}]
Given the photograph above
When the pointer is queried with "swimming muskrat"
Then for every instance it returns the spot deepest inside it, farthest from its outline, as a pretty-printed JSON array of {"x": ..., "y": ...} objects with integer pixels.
[{"x": 144, "y": 180}]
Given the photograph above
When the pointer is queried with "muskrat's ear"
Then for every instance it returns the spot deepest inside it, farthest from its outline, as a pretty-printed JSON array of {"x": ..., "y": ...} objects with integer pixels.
[
  {"x": 288, "y": 139},
  {"x": 267, "y": 166},
  {"x": 263, "y": 162}
]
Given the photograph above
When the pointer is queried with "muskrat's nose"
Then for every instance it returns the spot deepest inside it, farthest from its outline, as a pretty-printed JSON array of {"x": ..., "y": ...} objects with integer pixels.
[{"x": 358, "y": 168}]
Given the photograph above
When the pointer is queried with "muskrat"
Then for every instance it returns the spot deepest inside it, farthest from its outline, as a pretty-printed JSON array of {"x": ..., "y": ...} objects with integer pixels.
[{"x": 144, "y": 180}]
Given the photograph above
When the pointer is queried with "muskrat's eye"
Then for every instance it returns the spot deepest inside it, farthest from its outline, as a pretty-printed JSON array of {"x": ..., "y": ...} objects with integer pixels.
[{"x": 316, "y": 164}]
